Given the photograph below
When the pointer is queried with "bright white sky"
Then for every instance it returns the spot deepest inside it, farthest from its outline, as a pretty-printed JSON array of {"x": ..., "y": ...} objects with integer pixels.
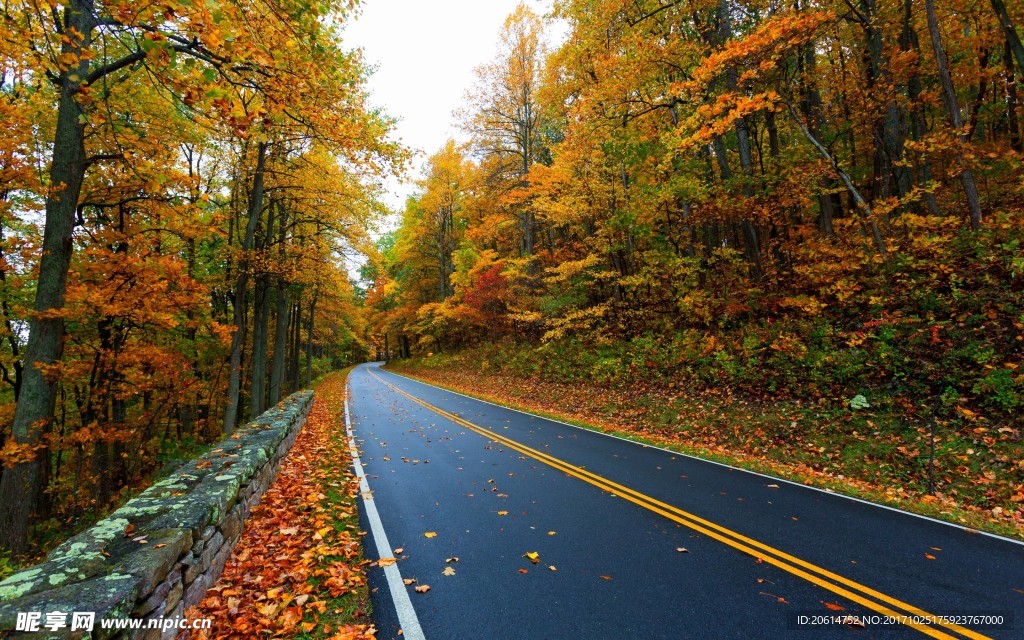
[{"x": 425, "y": 52}]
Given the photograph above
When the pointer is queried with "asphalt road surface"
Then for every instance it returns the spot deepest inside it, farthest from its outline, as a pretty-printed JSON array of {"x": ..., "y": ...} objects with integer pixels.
[{"x": 632, "y": 541}]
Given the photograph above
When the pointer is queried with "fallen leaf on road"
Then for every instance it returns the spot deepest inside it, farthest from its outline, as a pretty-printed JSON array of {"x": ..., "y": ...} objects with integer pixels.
[
  {"x": 772, "y": 486},
  {"x": 533, "y": 556},
  {"x": 409, "y": 581},
  {"x": 833, "y": 606},
  {"x": 606, "y": 577},
  {"x": 399, "y": 550},
  {"x": 929, "y": 556},
  {"x": 423, "y": 588},
  {"x": 682, "y": 550},
  {"x": 452, "y": 559},
  {"x": 552, "y": 567},
  {"x": 551, "y": 533},
  {"x": 523, "y": 571},
  {"x": 430, "y": 534},
  {"x": 503, "y": 513},
  {"x": 386, "y": 562},
  {"x": 448, "y": 571},
  {"x": 778, "y": 599}
]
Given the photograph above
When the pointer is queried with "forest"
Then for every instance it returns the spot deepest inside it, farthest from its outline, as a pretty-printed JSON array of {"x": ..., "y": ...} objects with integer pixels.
[
  {"x": 182, "y": 186},
  {"x": 810, "y": 209}
]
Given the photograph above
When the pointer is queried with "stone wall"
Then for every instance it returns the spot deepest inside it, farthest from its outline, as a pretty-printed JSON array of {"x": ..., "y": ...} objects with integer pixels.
[{"x": 157, "y": 555}]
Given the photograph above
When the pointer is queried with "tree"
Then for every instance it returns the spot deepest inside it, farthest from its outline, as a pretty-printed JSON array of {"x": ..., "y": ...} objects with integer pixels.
[
  {"x": 241, "y": 68},
  {"x": 503, "y": 116}
]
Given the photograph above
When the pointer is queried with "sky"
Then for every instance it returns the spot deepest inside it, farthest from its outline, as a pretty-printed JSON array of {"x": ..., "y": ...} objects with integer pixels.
[{"x": 425, "y": 52}]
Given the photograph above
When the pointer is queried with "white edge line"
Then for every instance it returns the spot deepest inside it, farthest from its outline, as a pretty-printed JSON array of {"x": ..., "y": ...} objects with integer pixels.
[
  {"x": 722, "y": 464},
  {"x": 408, "y": 622}
]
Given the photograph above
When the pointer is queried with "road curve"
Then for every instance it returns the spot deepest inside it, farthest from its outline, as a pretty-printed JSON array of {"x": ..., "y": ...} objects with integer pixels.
[{"x": 632, "y": 541}]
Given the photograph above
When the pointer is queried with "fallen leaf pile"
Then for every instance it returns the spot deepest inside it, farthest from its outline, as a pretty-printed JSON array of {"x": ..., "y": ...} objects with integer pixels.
[{"x": 296, "y": 557}]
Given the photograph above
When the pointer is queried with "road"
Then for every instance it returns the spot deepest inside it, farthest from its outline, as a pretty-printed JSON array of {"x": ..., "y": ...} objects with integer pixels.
[{"x": 633, "y": 541}]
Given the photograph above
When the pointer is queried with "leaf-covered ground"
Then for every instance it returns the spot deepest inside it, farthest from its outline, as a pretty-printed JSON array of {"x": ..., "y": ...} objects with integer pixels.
[
  {"x": 298, "y": 569},
  {"x": 864, "y": 452}
]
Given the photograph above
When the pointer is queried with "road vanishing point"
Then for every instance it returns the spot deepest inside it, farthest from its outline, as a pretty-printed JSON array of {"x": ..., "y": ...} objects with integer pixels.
[{"x": 525, "y": 527}]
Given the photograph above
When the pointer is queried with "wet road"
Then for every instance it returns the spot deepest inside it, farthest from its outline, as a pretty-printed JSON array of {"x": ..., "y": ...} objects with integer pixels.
[{"x": 632, "y": 541}]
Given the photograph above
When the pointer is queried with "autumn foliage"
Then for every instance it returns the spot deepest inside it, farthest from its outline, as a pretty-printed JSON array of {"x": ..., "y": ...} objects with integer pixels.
[
  {"x": 801, "y": 202},
  {"x": 180, "y": 186},
  {"x": 298, "y": 564}
]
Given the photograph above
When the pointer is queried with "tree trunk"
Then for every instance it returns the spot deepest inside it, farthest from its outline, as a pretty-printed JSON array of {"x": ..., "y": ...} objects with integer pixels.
[
  {"x": 296, "y": 348},
  {"x": 241, "y": 286},
  {"x": 1011, "y": 100},
  {"x": 953, "y": 111},
  {"x": 21, "y": 485},
  {"x": 261, "y": 320},
  {"x": 277, "y": 367},
  {"x": 751, "y": 241},
  {"x": 876, "y": 232},
  {"x": 1012, "y": 39},
  {"x": 918, "y": 124},
  {"x": 281, "y": 315},
  {"x": 812, "y": 109},
  {"x": 309, "y": 339}
]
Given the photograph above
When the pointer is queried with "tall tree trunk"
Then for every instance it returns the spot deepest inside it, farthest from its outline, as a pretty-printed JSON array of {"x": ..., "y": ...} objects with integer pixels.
[
  {"x": 294, "y": 356},
  {"x": 277, "y": 367},
  {"x": 890, "y": 177},
  {"x": 309, "y": 339},
  {"x": 241, "y": 288},
  {"x": 261, "y": 328},
  {"x": 1012, "y": 39},
  {"x": 918, "y": 124},
  {"x": 953, "y": 111},
  {"x": 282, "y": 305},
  {"x": 21, "y": 485},
  {"x": 979, "y": 98},
  {"x": 868, "y": 214},
  {"x": 261, "y": 320},
  {"x": 812, "y": 109},
  {"x": 751, "y": 240},
  {"x": 811, "y": 106},
  {"x": 1011, "y": 99}
]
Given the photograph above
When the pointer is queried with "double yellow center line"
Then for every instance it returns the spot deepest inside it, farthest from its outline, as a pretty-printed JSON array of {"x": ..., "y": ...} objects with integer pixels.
[{"x": 849, "y": 589}]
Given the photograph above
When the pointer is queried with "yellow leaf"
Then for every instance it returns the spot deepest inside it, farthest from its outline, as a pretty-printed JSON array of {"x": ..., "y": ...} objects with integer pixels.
[
  {"x": 430, "y": 534},
  {"x": 448, "y": 571},
  {"x": 533, "y": 556}
]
